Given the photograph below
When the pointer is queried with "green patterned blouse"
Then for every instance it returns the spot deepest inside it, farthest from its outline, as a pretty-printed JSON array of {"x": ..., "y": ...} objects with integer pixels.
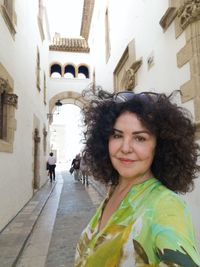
[{"x": 151, "y": 227}]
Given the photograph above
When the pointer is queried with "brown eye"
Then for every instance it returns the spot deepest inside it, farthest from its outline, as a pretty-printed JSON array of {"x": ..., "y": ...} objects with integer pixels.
[
  {"x": 116, "y": 135},
  {"x": 139, "y": 138}
]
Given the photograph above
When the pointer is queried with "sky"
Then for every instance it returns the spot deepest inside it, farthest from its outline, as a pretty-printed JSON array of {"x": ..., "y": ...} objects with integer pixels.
[{"x": 65, "y": 17}]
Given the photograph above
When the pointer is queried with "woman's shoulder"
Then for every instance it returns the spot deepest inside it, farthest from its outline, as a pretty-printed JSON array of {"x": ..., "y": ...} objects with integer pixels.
[
  {"x": 166, "y": 194},
  {"x": 170, "y": 207},
  {"x": 161, "y": 201},
  {"x": 154, "y": 193},
  {"x": 168, "y": 198}
]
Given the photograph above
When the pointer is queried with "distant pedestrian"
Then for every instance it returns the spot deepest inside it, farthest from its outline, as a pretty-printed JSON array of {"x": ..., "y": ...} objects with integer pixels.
[
  {"x": 84, "y": 171},
  {"x": 76, "y": 165},
  {"x": 51, "y": 166}
]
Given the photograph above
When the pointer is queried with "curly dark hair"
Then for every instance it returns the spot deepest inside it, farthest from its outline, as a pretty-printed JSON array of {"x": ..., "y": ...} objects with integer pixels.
[{"x": 175, "y": 160}]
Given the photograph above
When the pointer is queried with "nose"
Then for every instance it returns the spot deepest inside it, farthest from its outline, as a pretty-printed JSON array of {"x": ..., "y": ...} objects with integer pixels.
[{"x": 127, "y": 146}]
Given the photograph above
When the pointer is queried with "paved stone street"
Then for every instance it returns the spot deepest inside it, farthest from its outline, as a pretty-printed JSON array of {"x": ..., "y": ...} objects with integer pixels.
[
  {"x": 74, "y": 211},
  {"x": 67, "y": 211}
]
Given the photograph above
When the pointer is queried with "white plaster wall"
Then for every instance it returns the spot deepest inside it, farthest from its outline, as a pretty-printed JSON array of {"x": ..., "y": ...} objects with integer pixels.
[
  {"x": 69, "y": 57},
  {"x": 139, "y": 20},
  {"x": 58, "y": 141},
  {"x": 59, "y": 85},
  {"x": 18, "y": 56}
]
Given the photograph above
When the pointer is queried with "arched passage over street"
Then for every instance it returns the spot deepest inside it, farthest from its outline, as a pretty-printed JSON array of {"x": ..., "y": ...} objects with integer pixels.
[{"x": 67, "y": 97}]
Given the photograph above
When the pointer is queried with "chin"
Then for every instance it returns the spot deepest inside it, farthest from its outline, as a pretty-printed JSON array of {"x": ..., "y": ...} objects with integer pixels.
[
  {"x": 127, "y": 175},
  {"x": 132, "y": 175}
]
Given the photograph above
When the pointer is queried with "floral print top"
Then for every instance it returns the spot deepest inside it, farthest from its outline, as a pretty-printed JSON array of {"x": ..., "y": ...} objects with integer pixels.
[{"x": 151, "y": 227}]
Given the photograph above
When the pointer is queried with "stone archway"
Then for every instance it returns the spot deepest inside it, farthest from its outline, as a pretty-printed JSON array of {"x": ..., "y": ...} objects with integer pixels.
[{"x": 68, "y": 97}]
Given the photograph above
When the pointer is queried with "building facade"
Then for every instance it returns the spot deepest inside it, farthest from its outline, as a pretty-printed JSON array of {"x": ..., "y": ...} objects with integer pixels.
[
  {"x": 24, "y": 42},
  {"x": 150, "y": 46}
]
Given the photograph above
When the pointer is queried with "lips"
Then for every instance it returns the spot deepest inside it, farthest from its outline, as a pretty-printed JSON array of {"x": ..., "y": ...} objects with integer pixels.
[{"x": 124, "y": 160}]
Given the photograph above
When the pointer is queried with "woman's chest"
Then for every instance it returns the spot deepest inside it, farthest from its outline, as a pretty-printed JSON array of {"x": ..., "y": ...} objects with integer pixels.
[{"x": 118, "y": 242}]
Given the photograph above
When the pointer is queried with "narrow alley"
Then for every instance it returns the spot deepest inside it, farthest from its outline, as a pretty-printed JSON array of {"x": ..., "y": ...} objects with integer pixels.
[
  {"x": 56, "y": 228},
  {"x": 58, "y": 59}
]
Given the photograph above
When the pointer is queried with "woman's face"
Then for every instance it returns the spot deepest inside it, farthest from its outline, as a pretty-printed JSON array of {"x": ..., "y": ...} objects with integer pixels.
[{"x": 131, "y": 148}]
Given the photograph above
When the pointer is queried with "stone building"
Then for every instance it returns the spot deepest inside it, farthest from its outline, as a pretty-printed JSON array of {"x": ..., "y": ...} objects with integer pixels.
[{"x": 124, "y": 45}]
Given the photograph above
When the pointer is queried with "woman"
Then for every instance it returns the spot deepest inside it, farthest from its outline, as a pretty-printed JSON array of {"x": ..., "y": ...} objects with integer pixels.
[
  {"x": 144, "y": 147},
  {"x": 76, "y": 165}
]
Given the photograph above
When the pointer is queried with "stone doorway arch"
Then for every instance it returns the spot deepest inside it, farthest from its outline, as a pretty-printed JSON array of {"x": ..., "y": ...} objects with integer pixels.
[{"x": 36, "y": 177}]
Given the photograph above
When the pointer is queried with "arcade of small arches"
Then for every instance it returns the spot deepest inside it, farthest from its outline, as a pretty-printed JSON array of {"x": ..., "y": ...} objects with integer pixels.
[{"x": 69, "y": 70}]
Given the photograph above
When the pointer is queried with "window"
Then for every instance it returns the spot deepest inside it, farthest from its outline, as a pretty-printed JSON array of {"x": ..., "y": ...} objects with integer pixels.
[
  {"x": 9, "y": 15},
  {"x": 69, "y": 71},
  {"x": 40, "y": 19},
  {"x": 38, "y": 69},
  {"x": 125, "y": 77},
  {"x": 45, "y": 89},
  {"x": 55, "y": 71},
  {"x": 107, "y": 35},
  {"x": 83, "y": 72},
  {"x": 8, "y": 103},
  {"x": 9, "y": 7},
  {"x": 3, "y": 127}
]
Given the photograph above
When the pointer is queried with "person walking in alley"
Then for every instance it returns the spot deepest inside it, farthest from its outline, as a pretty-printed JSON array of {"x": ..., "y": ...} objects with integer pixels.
[
  {"x": 84, "y": 171},
  {"x": 76, "y": 165},
  {"x": 143, "y": 146},
  {"x": 51, "y": 166}
]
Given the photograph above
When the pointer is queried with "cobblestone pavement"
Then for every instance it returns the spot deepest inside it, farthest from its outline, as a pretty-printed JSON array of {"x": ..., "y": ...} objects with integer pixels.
[
  {"x": 46, "y": 230},
  {"x": 16, "y": 234},
  {"x": 76, "y": 207},
  {"x": 36, "y": 248}
]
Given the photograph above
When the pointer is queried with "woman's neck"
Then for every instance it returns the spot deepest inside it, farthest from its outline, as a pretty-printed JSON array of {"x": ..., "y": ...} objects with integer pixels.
[{"x": 126, "y": 183}]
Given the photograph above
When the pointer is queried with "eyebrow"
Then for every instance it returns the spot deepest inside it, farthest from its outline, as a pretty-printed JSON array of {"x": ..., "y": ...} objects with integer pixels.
[{"x": 136, "y": 132}]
